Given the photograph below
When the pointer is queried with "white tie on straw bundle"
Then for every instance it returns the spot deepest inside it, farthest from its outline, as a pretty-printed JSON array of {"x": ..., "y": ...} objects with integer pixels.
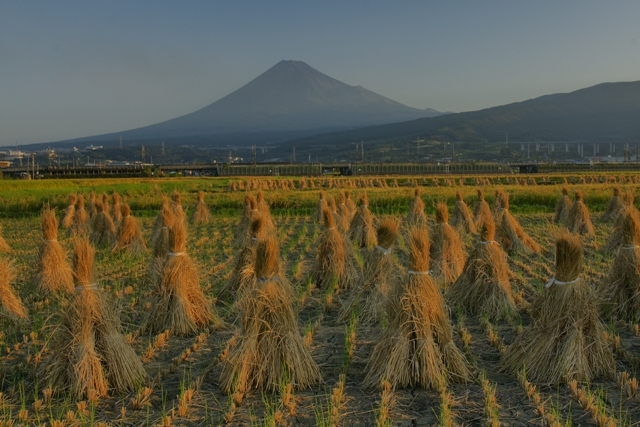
[
  {"x": 91, "y": 286},
  {"x": 419, "y": 272},
  {"x": 555, "y": 281},
  {"x": 488, "y": 242},
  {"x": 630, "y": 246},
  {"x": 175, "y": 253},
  {"x": 385, "y": 251}
]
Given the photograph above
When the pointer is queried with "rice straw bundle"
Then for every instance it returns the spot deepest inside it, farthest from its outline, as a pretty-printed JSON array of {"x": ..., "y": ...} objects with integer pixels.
[
  {"x": 201, "y": 213},
  {"x": 481, "y": 211},
  {"x": 615, "y": 239},
  {"x": 53, "y": 272},
  {"x": 80, "y": 219},
  {"x": 176, "y": 206},
  {"x": 615, "y": 207},
  {"x": 116, "y": 213},
  {"x": 4, "y": 246},
  {"x": 462, "y": 218},
  {"x": 416, "y": 216},
  {"x": 334, "y": 267},
  {"x": 181, "y": 305},
  {"x": 10, "y": 304},
  {"x": 129, "y": 236},
  {"x": 579, "y": 220},
  {"x": 159, "y": 222},
  {"x": 243, "y": 231},
  {"x": 350, "y": 205},
  {"x": 263, "y": 208},
  {"x": 565, "y": 340},
  {"x": 563, "y": 207},
  {"x": 322, "y": 205},
  {"x": 162, "y": 241},
  {"x": 381, "y": 275},
  {"x": 500, "y": 202},
  {"x": 620, "y": 289},
  {"x": 106, "y": 207},
  {"x": 510, "y": 233},
  {"x": 343, "y": 217},
  {"x": 243, "y": 276},
  {"x": 91, "y": 206},
  {"x": 104, "y": 230},
  {"x": 250, "y": 206},
  {"x": 90, "y": 354},
  {"x": 69, "y": 213},
  {"x": 483, "y": 288},
  {"x": 417, "y": 349},
  {"x": 447, "y": 253},
  {"x": 268, "y": 349},
  {"x": 361, "y": 230}
]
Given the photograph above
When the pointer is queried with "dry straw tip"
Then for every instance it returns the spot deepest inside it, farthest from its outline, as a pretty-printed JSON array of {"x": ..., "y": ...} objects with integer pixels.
[
  {"x": 267, "y": 264},
  {"x": 442, "y": 213},
  {"x": 568, "y": 256},
  {"x": 579, "y": 196},
  {"x": 83, "y": 261},
  {"x": 631, "y": 227},
  {"x": 616, "y": 191},
  {"x": 565, "y": 191},
  {"x": 178, "y": 237},
  {"x": 419, "y": 249},
  {"x": 49, "y": 224},
  {"x": 258, "y": 226},
  {"x": 488, "y": 231},
  {"x": 327, "y": 218},
  {"x": 387, "y": 232},
  {"x": 200, "y": 195},
  {"x": 176, "y": 197},
  {"x": 480, "y": 194},
  {"x": 125, "y": 210},
  {"x": 458, "y": 196},
  {"x": 72, "y": 199}
]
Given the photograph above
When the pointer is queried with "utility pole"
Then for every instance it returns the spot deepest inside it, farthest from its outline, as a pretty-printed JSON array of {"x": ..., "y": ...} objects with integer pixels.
[
  {"x": 253, "y": 154},
  {"x": 294, "y": 155},
  {"x": 163, "y": 148},
  {"x": 362, "y": 150},
  {"x": 418, "y": 141},
  {"x": 121, "y": 143},
  {"x": 143, "y": 154}
]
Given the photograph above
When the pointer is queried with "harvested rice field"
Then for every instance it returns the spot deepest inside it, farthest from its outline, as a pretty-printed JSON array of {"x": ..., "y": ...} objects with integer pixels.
[{"x": 292, "y": 341}]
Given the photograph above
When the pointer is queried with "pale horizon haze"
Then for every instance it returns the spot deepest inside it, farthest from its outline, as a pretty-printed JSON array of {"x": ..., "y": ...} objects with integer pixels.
[{"x": 71, "y": 69}]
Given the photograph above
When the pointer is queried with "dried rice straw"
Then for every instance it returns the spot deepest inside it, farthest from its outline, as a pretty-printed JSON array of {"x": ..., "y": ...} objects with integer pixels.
[
  {"x": 483, "y": 288},
  {"x": 268, "y": 349},
  {"x": 565, "y": 340},
  {"x": 417, "y": 349}
]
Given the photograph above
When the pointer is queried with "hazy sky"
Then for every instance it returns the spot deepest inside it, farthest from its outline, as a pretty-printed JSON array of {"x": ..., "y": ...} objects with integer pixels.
[{"x": 71, "y": 69}]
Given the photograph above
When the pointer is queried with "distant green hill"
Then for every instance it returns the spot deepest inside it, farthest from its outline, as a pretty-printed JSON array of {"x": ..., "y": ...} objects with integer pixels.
[{"x": 607, "y": 112}]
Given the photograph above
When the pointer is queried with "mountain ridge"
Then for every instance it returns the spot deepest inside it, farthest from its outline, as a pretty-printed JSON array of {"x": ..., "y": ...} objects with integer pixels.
[
  {"x": 606, "y": 111},
  {"x": 291, "y": 96}
]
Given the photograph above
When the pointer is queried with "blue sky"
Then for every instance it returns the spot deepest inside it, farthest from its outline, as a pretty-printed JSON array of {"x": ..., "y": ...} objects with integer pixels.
[{"x": 71, "y": 69}]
